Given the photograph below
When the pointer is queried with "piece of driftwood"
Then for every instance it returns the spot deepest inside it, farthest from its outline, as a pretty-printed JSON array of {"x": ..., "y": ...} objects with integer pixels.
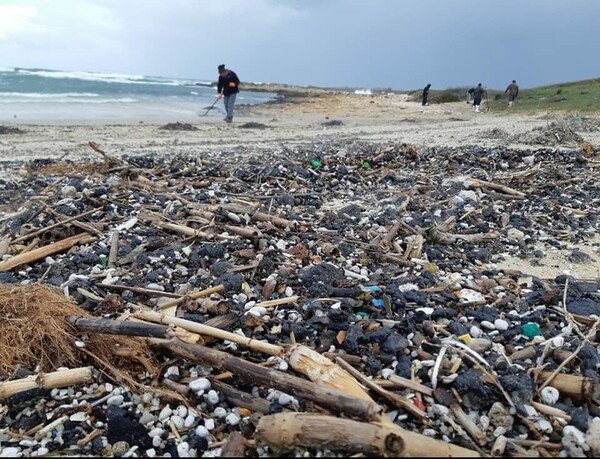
[
  {"x": 118, "y": 327},
  {"x": 202, "y": 329},
  {"x": 408, "y": 384},
  {"x": 499, "y": 446},
  {"x": 389, "y": 237},
  {"x": 241, "y": 399},
  {"x": 114, "y": 249},
  {"x": 331, "y": 399},
  {"x": 442, "y": 237},
  {"x": 286, "y": 431},
  {"x": 138, "y": 290},
  {"x": 277, "y": 221},
  {"x": 45, "y": 251},
  {"x": 496, "y": 186},
  {"x": 446, "y": 398},
  {"x": 234, "y": 446},
  {"x": 396, "y": 400},
  {"x": 575, "y": 386},
  {"x": 249, "y": 232},
  {"x": 54, "y": 225},
  {"x": 414, "y": 248},
  {"x": 193, "y": 296},
  {"x": 54, "y": 380}
]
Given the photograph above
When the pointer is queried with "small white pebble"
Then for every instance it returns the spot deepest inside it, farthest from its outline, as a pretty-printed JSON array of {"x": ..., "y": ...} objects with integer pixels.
[
  {"x": 220, "y": 412},
  {"x": 386, "y": 373},
  {"x": 177, "y": 421},
  {"x": 79, "y": 344},
  {"x": 212, "y": 397},
  {"x": 488, "y": 325},
  {"x": 232, "y": 419},
  {"x": 283, "y": 365},
  {"x": 189, "y": 420},
  {"x": 558, "y": 341},
  {"x": 182, "y": 411},
  {"x": 156, "y": 441},
  {"x": 150, "y": 452},
  {"x": 109, "y": 387},
  {"x": 116, "y": 400},
  {"x": 501, "y": 324},
  {"x": 544, "y": 426},
  {"x": 156, "y": 432},
  {"x": 209, "y": 424},
  {"x": 199, "y": 384},
  {"x": 475, "y": 332},
  {"x": 289, "y": 291},
  {"x": 549, "y": 395},
  {"x": 201, "y": 431},
  {"x": 183, "y": 449},
  {"x": 165, "y": 413},
  {"x": 284, "y": 399}
]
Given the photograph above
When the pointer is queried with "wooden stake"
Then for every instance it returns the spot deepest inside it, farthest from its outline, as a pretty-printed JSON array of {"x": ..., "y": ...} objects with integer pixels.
[
  {"x": 47, "y": 250},
  {"x": 277, "y": 221},
  {"x": 52, "y": 380},
  {"x": 114, "y": 249},
  {"x": 47, "y": 228},
  {"x": 286, "y": 431}
]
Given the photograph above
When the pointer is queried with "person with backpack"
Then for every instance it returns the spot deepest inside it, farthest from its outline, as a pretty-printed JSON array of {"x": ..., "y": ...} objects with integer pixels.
[
  {"x": 513, "y": 91},
  {"x": 228, "y": 89}
]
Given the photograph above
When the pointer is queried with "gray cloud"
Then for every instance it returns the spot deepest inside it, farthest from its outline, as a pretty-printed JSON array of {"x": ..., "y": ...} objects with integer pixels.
[{"x": 367, "y": 43}]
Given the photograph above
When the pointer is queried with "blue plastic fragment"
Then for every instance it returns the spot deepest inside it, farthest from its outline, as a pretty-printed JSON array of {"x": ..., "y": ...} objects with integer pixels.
[
  {"x": 378, "y": 303},
  {"x": 372, "y": 288}
]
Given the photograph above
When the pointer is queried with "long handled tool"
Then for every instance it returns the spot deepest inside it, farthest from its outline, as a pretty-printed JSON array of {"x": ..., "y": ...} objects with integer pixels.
[{"x": 211, "y": 107}]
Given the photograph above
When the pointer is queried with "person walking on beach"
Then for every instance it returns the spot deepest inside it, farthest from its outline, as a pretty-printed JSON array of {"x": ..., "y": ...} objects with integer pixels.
[
  {"x": 477, "y": 96},
  {"x": 426, "y": 94},
  {"x": 470, "y": 93},
  {"x": 228, "y": 88},
  {"x": 513, "y": 91}
]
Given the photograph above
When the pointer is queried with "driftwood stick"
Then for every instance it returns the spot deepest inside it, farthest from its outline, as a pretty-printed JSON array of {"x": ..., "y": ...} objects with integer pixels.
[
  {"x": 574, "y": 386},
  {"x": 451, "y": 238},
  {"x": 399, "y": 381},
  {"x": 193, "y": 296},
  {"x": 285, "y": 431},
  {"x": 114, "y": 249},
  {"x": 329, "y": 398},
  {"x": 241, "y": 399},
  {"x": 499, "y": 446},
  {"x": 52, "y": 380},
  {"x": 395, "y": 399},
  {"x": 203, "y": 329},
  {"x": 277, "y": 221},
  {"x": 118, "y": 327},
  {"x": 446, "y": 398},
  {"x": 496, "y": 186},
  {"x": 248, "y": 232},
  {"x": 45, "y": 251},
  {"x": 389, "y": 237},
  {"x": 54, "y": 225},
  {"x": 138, "y": 290},
  {"x": 278, "y": 301}
]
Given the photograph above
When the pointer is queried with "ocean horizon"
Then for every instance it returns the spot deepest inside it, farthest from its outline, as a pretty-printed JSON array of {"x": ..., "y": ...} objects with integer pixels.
[{"x": 36, "y": 95}]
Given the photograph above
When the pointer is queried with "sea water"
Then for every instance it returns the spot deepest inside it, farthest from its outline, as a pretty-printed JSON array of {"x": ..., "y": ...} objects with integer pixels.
[{"x": 37, "y": 95}]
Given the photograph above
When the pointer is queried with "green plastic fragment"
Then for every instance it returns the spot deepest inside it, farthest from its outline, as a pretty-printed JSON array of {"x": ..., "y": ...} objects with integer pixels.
[
  {"x": 431, "y": 267},
  {"x": 362, "y": 314},
  {"x": 531, "y": 329},
  {"x": 104, "y": 261},
  {"x": 366, "y": 165},
  {"x": 316, "y": 163}
]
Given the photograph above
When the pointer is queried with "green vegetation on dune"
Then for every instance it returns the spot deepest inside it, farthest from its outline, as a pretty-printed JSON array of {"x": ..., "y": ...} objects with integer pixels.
[{"x": 576, "y": 96}]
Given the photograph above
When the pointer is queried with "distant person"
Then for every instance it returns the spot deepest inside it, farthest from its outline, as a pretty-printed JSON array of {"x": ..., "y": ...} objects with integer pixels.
[
  {"x": 426, "y": 94},
  {"x": 228, "y": 88},
  {"x": 477, "y": 96},
  {"x": 470, "y": 93},
  {"x": 513, "y": 91}
]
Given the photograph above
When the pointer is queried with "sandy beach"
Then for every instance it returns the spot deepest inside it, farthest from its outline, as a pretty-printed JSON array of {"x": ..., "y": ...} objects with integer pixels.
[{"x": 299, "y": 118}]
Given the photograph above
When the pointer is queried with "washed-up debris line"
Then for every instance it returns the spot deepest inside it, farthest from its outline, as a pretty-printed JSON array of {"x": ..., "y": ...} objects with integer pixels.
[
  {"x": 178, "y": 126},
  {"x": 335, "y": 288},
  {"x": 10, "y": 130}
]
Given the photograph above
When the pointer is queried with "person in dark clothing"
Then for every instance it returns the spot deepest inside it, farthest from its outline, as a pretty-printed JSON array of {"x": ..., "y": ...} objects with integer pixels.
[
  {"x": 228, "y": 89},
  {"x": 513, "y": 91},
  {"x": 477, "y": 96},
  {"x": 426, "y": 94},
  {"x": 470, "y": 93}
]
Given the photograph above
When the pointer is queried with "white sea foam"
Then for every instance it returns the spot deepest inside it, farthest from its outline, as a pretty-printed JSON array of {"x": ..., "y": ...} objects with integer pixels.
[
  {"x": 122, "y": 78},
  {"x": 38, "y": 95},
  {"x": 7, "y": 69}
]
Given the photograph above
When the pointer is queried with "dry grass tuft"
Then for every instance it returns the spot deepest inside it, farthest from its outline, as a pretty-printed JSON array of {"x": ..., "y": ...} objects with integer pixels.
[{"x": 33, "y": 332}]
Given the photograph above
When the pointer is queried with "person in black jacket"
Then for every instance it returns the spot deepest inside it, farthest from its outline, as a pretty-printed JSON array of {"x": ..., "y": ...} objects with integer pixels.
[
  {"x": 426, "y": 94},
  {"x": 228, "y": 88}
]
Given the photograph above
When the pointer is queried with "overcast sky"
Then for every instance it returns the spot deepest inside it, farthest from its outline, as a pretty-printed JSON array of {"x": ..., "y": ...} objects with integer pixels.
[{"x": 402, "y": 44}]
